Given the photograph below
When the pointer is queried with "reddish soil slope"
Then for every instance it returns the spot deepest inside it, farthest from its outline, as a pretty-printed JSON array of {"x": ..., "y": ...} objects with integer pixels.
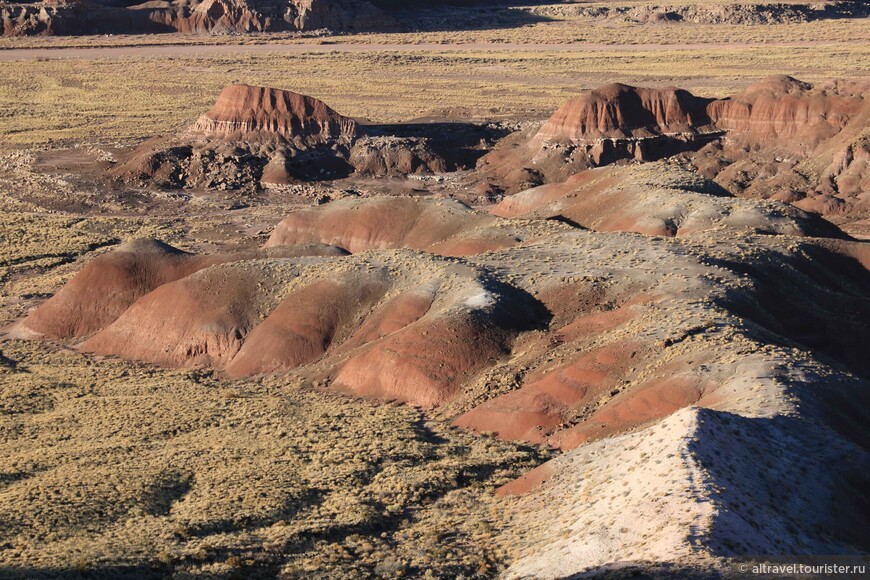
[
  {"x": 446, "y": 227},
  {"x": 655, "y": 199},
  {"x": 106, "y": 287},
  {"x": 304, "y": 325}
]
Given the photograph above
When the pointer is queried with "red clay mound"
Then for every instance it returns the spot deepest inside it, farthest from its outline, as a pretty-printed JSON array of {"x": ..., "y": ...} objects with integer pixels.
[
  {"x": 526, "y": 203},
  {"x": 647, "y": 402},
  {"x": 550, "y": 399},
  {"x": 239, "y": 317},
  {"x": 444, "y": 227},
  {"x": 393, "y": 316},
  {"x": 106, "y": 287},
  {"x": 619, "y": 111},
  {"x": 304, "y": 326},
  {"x": 199, "y": 320},
  {"x": 416, "y": 347},
  {"x": 655, "y": 200},
  {"x": 245, "y": 109},
  {"x": 600, "y": 322},
  {"x": 175, "y": 311},
  {"x": 786, "y": 114},
  {"x": 598, "y": 394},
  {"x": 424, "y": 363}
]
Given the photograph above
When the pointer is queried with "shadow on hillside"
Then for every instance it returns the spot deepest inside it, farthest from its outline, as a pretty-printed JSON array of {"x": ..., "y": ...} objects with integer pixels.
[
  {"x": 460, "y": 144},
  {"x": 807, "y": 487},
  {"x": 132, "y": 572},
  {"x": 817, "y": 299},
  {"x": 645, "y": 571}
]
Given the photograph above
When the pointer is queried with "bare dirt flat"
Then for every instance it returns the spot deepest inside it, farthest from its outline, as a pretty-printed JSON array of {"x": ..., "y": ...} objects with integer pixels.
[{"x": 302, "y": 48}]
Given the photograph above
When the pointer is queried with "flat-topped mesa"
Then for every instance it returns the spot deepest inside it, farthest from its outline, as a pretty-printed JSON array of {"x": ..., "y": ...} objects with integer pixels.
[
  {"x": 784, "y": 112},
  {"x": 618, "y": 111},
  {"x": 776, "y": 107},
  {"x": 257, "y": 137},
  {"x": 602, "y": 126},
  {"x": 243, "y": 109}
]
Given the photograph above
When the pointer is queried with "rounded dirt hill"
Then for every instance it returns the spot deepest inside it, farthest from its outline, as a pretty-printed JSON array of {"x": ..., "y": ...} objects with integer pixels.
[
  {"x": 106, "y": 287},
  {"x": 111, "y": 283},
  {"x": 444, "y": 227},
  {"x": 657, "y": 199}
]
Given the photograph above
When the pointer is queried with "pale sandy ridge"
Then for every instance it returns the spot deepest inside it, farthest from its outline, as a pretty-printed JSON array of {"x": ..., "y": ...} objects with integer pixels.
[{"x": 693, "y": 490}]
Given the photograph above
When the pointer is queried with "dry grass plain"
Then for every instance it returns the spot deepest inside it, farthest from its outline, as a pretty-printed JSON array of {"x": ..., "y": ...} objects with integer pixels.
[
  {"x": 100, "y": 100},
  {"x": 140, "y": 472}
]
